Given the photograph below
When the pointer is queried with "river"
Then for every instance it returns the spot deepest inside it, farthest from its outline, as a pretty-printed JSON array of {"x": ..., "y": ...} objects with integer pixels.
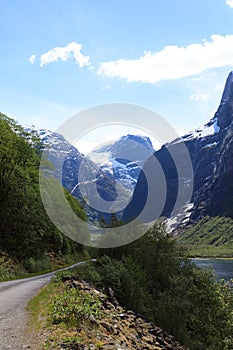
[{"x": 222, "y": 268}]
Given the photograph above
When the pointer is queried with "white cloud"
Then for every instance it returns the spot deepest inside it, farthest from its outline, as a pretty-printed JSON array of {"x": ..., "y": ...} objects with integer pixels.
[
  {"x": 220, "y": 87},
  {"x": 32, "y": 59},
  {"x": 230, "y": 3},
  {"x": 106, "y": 87},
  {"x": 173, "y": 62},
  {"x": 199, "y": 97},
  {"x": 63, "y": 53}
]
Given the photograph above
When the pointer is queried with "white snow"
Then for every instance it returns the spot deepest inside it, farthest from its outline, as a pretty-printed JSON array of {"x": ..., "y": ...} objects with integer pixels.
[
  {"x": 182, "y": 216},
  {"x": 206, "y": 130},
  {"x": 211, "y": 145}
]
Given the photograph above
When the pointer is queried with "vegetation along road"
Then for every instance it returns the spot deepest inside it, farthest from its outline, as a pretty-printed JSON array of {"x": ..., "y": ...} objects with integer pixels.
[{"x": 14, "y": 296}]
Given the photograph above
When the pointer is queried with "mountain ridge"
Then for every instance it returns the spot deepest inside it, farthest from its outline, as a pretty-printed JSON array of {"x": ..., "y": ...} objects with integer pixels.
[
  {"x": 124, "y": 161},
  {"x": 78, "y": 173},
  {"x": 210, "y": 150}
]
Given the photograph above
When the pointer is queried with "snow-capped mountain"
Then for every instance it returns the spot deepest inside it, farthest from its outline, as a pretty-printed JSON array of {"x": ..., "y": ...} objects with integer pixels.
[
  {"x": 210, "y": 149},
  {"x": 66, "y": 159},
  {"x": 211, "y": 153},
  {"x": 124, "y": 158},
  {"x": 78, "y": 173}
]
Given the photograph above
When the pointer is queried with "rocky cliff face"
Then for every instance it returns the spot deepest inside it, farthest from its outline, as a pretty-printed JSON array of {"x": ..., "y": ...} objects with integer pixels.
[
  {"x": 211, "y": 153},
  {"x": 212, "y": 162}
]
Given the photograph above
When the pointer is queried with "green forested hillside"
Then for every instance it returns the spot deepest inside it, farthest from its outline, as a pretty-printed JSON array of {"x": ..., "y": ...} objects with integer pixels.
[
  {"x": 209, "y": 237},
  {"x": 26, "y": 233}
]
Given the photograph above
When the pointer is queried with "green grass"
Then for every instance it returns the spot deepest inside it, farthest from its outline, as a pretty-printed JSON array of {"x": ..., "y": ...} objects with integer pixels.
[
  {"x": 210, "y": 237},
  {"x": 207, "y": 251},
  {"x": 62, "y": 314}
]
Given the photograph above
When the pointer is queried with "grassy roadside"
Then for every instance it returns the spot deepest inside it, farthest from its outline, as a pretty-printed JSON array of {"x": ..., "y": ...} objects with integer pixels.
[
  {"x": 71, "y": 314},
  {"x": 60, "y": 317},
  {"x": 64, "y": 320},
  {"x": 40, "y": 324}
]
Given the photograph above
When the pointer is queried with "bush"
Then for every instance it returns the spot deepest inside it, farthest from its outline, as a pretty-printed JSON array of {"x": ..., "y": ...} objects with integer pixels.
[
  {"x": 184, "y": 300},
  {"x": 71, "y": 306}
]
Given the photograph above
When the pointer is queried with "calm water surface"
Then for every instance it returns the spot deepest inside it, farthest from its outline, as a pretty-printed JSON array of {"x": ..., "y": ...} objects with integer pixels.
[{"x": 220, "y": 267}]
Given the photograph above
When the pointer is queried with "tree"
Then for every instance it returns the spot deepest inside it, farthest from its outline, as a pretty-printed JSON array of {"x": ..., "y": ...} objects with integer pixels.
[{"x": 26, "y": 232}]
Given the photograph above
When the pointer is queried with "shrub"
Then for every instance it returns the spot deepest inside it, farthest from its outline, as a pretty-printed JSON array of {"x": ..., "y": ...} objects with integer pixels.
[{"x": 71, "y": 306}]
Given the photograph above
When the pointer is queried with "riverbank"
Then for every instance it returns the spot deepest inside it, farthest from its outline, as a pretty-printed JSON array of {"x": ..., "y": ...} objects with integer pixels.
[
  {"x": 221, "y": 268},
  {"x": 209, "y": 238},
  {"x": 205, "y": 251}
]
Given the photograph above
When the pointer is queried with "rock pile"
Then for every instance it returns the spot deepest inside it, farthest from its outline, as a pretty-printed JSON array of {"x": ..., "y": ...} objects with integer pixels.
[{"x": 118, "y": 328}]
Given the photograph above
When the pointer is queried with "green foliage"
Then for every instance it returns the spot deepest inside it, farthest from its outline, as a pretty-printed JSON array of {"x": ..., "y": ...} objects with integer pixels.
[
  {"x": 33, "y": 265},
  {"x": 172, "y": 292},
  {"x": 75, "y": 206},
  {"x": 70, "y": 342},
  {"x": 209, "y": 237},
  {"x": 129, "y": 282},
  {"x": 194, "y": 309},
  {"x": 26, "y": 232},
  {"x": 71, "y": 306},
  {"x": 213, "y": 231},
  {"x": 87, "y": 272},
  {"x": 9, "y": 268}
]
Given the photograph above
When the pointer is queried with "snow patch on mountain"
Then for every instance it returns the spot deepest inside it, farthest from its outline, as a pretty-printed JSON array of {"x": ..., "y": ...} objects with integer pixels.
[
  {"x": 208, "y": 129},
  {"x": 124, "y": 158}
]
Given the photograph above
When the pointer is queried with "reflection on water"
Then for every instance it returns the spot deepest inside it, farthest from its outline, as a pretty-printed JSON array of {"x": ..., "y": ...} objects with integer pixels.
[{"x": 223, "y": 269}]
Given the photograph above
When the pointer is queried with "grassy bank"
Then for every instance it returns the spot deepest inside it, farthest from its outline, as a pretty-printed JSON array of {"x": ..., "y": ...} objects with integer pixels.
[
  {"x": 72, "y": 314},
  {"x": 67, "y": 316},
  {"x": 206, "y": 251},
  {"x": 209, "y": 238},
  {"x": 61, "y": 317}
]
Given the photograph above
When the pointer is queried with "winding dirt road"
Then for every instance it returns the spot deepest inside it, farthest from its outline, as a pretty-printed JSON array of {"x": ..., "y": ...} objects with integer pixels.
[{"x": 14, "y": 296}]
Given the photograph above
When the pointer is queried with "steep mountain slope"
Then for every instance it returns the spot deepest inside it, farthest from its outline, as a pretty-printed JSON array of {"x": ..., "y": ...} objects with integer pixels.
[
  {"x": 212, "y": 163},
  {"x": 211, "y": 150}
]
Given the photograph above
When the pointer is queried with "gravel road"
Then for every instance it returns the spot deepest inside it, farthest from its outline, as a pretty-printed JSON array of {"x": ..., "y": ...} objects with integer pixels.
[{"x": 14, "y": 296}]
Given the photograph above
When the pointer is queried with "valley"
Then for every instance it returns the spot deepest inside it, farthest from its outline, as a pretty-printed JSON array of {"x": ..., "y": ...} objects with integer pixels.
[
  {"x": 210, "y": 150},
  {"x": 147, "y": 277}
]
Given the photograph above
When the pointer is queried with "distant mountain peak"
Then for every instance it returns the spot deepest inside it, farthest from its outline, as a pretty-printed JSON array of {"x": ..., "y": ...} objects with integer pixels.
[
  {"x": 124, "y": 158},
  {"x": 224, "y": 114},
  {"x": 210, "y": 148},
  {"x": 143, "y": 140},
  {"x": 227, "y": 93},
  {"x": 222, "y": 119}
]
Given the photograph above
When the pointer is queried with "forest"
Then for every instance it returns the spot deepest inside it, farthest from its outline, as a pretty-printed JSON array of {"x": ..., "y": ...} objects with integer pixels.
[{"x": 26, "y": 233}]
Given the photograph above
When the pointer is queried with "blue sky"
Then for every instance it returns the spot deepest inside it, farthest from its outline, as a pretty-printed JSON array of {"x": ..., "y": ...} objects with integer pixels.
[{"x": 59, "y": 57}]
